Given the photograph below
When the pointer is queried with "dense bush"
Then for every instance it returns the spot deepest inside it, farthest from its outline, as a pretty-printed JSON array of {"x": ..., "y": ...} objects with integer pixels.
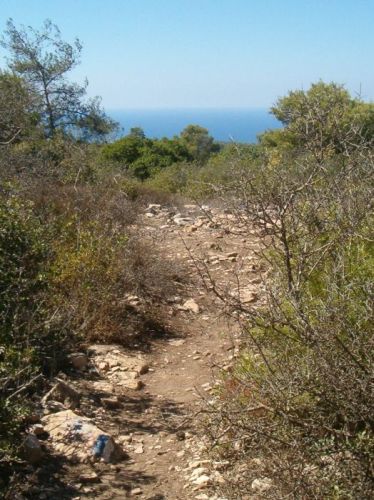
[
  {"x": 204, "y": 181},
  {"x": 68, "y": 262},
  {"x": 298, "y": 406},
  {"x": 28, "y": 340},
  {"x": 145, "y": 158}
]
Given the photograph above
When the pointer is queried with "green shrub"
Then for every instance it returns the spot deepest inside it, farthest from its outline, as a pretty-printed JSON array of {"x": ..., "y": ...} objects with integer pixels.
[
  {"x": 298, "y": 405},
  {"x": 25, "y": 336}
]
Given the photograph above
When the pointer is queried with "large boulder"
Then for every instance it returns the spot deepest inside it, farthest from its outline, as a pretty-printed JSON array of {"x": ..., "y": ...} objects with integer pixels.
[{"x": 78, "y": 438}]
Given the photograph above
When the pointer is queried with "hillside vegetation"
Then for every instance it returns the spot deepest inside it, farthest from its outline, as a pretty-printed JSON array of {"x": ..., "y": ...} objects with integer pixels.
[{"x": 298, "y": 407}]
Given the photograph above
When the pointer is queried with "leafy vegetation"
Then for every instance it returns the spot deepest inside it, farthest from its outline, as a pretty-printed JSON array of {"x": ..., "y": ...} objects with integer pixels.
[
  {"x": 145, "y": 158},
  {"x": 42, "y": 59},
  {"x": 298, "y": 406}
]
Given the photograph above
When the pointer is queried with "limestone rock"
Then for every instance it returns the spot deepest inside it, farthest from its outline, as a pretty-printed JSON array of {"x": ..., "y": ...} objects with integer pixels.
[
  {"x": 53, "y": 407},
  {"x": 136, "y": 491},
  {"x": 103, "y": 386},
  {"x": 202, "y": 481},
  {"x": 89, "y": 477},
  {"x": 191, "y": 305},
  {"x": 247, "y": 296},
  {"x": 154, "y": 208},
  {"x": 182, "y": 221},
  {"x": 261, "y": 485},
  {"x": 77, "y": 437},
  {"x": 133, "y": 300},
  {"x": 139, "y": 449},
  {"x": 232, "y": 254}
]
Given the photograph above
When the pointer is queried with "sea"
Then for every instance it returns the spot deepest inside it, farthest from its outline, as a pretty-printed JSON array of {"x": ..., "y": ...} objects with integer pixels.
[{"x": 237, "y": 125}]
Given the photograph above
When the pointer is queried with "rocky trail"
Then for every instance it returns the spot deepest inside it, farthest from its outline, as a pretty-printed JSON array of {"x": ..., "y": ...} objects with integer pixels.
[{"x": 139, "y": 411}]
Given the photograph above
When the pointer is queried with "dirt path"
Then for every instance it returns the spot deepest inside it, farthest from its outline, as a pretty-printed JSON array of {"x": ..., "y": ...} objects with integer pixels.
[{"x": 157, "y": 424}]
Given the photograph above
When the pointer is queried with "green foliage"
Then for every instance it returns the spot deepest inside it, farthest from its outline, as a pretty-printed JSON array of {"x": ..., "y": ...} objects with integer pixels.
[
  {"x": 199, "y": 143},
  {"x": 18, "y": 119},
  {"x": 43, "y": 59},
  {"x": 201, "y": 182},
  {"x": 124, "y": 151},
  {"x": 158, "y": 155},
  {"x": 322, "y": 120},
  {"x": 145, "y": 157},
  {"x": 21, "y": 255},
  {"x": 173, "y": 179},
  {"x": 24, "y": 338}
]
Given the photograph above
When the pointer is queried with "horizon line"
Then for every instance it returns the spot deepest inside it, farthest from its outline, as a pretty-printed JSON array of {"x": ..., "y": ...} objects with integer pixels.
[{"x": 189, "y": 108}]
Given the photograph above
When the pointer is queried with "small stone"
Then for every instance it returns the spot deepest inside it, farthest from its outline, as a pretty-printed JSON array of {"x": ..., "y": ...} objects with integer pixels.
[
  {"x": 202, "y": 481},
  {"x": 177, "y": 342},
  {"x": 191, "y": 305},
  {"x": 32, "y": 449},
  {"x": 125, "y": 439},
  {"x": 110, "y": 403},
  {"x": 79, "y": 360},
  {"x": 135, "y": 385},
  {"x": 136, "y": 491},
  {"x": 181, "y": 435},
  {"x": 218, "y": 478},
  {"x": 198, "y": 471},
  {"x": 53, "y": 407},
  {"x": 139, "y": 449},
  {"x": 38, "y": 430},
  {"x": 247, "y": 297},
  {"x": 89, "y": 477},
  {"x": 182, "y": 221},
  {"x": 261, "y": 485},
  {"x": 133, "y": 300}
]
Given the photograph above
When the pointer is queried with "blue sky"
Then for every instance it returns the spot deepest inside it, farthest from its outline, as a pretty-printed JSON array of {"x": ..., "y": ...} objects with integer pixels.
[{"x": 210, "y": 53}]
